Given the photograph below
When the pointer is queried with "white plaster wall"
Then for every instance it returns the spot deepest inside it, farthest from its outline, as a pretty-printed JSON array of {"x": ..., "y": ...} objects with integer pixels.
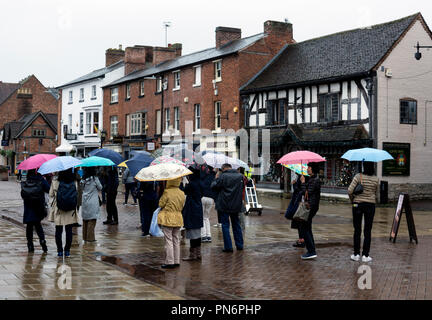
[{"x": 411, "y": 78}]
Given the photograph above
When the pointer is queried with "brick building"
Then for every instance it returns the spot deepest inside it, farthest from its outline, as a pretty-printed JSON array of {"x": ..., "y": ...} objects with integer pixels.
[
  {"x": 162, "y": 90},
  {"x": 17, "y": 102}
]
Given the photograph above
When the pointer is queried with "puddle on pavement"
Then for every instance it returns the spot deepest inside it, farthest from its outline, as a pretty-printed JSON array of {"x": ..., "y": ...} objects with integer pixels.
[{"x": 333, "y": 244}]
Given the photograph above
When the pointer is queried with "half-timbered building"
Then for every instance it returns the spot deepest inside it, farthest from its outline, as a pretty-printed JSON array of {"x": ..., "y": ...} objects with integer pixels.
[{"x": 354, "y": 89}]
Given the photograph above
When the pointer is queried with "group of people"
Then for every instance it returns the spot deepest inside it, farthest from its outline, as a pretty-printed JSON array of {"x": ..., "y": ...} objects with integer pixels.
[
  {"x": 362, "y": 192},
  {"x": 184, "y": 203}
]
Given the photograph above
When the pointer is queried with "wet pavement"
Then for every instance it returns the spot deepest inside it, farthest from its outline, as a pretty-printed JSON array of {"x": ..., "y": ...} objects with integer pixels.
[{"x": 124, "y": 265}]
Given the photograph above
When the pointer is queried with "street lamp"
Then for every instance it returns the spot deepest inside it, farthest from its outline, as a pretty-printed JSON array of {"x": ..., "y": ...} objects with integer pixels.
[
  {"x": 418, "y": 54},
  {"x": 102, "y": 137}
]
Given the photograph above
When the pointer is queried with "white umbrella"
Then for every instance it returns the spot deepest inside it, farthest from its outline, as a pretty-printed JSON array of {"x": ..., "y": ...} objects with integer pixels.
[
  {"x": 163, "y": 171},
  {"x": 216, "y": 160}
]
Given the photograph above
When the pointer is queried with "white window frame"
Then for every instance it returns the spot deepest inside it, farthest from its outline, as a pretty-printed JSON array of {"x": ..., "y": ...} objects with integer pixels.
[
  {"x": 218, "y": 108},
  {"x": 81, "y": 95},
  {"x": 159, "y": 84},
  {"x": 90, "y": 124},
  {"x": 197, "y": 117},
  {"x": 167, "y": 119},
  {"x": 197, "y": 76},
  {"x": 217, "y": 70},
  {"x": 136, "y": 124},
  {"x": 114, "y": 95},
  {"x": 114, "y": 124},
  {"x": 70, "y": 96},
  {"x": 142, "y": 88},
  {"x": 94, "y": 91},
  {"x": 176, "y": 118},
  {"x": 128, "y": 91},
  {"x": 70, "y": 123},
  {"x": 176, "y": 80}
]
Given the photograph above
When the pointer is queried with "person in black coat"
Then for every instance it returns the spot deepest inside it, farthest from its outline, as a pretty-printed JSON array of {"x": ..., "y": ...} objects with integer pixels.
[
  {"x": 35, "y": 211},
  {"x": 295, "y": 200},
  {"x": 312, "y": 191},
  {"x": 193, "y": 214},
  {"x": 148, "y": 202},
  {"x": 112, "y": 183}
]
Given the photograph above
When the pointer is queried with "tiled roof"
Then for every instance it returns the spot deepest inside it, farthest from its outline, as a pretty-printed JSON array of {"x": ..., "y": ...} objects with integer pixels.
[
  {"x": 190, "y": 59},
  {"x": 94, "y": 74},
  {"x": 330, "y": 57},
  {"x": 6, "y": 89}
]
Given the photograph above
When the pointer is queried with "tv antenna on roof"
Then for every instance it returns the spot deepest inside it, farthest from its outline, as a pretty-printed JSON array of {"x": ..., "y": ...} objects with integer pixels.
[{"x": 166, "y": 24}]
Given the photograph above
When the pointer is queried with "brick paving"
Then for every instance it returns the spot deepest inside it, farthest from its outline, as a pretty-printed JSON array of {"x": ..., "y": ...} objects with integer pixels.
[{"x": 123, "y": 265}]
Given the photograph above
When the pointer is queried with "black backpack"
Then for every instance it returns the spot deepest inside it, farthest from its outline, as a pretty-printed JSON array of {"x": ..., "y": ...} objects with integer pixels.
[
  {"x": 31, "y": 190},
  {"x": 67, "y": 196}
]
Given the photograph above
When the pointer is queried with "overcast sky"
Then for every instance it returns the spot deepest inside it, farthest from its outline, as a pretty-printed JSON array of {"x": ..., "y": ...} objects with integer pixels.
[{"x": 59, "y": 40}]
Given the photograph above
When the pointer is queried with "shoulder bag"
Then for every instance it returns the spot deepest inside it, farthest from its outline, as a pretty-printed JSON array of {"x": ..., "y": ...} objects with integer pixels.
[
  {"x": 303, "y": 211},
  {"x": 359, "y": 187}
]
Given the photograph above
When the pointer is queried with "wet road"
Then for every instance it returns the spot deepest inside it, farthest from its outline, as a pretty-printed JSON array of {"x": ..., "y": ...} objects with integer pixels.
[{"x": 123, "y": 265}]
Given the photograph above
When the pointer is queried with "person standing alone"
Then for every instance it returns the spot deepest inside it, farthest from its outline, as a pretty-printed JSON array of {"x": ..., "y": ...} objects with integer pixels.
[
  {"x": 363, "y": 205},
  {"x": 229, "y": 202}
]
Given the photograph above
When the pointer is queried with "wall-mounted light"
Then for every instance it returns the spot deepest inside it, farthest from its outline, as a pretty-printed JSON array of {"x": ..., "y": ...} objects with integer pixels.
[
  {"x": 235, "y": 109},
  {"x": 418, "y": 54}
]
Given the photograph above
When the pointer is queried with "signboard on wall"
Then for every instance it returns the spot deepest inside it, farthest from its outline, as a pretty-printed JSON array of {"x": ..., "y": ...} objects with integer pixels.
[
  {"x": 150, "y": 146},
  {"x": 401, "y": 165}
]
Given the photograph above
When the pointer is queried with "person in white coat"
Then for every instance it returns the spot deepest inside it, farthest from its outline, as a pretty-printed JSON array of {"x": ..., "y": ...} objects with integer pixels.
[{"x": 90, "y": 207}]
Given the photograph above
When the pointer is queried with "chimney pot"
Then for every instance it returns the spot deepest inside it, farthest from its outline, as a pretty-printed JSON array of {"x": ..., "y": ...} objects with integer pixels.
[{"x": 225, "y": 35}]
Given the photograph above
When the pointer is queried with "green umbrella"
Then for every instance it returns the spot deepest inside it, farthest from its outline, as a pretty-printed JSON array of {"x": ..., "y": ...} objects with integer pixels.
[{"x": 96, "y": 162}]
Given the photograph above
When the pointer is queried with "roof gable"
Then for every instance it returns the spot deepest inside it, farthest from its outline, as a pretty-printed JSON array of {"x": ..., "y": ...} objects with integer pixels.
[
  {"x": 28, "y": 119},
  {"x": 353, "y": 52}
]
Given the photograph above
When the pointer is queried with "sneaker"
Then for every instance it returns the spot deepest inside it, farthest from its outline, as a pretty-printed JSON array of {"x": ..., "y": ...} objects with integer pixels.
[
  {"x": 355, "y": 257},
  {"x": 218, "y": 225},
  {"x": 145, "y": 235},
  {"x": 208, "y": 239},
  {"x": 134, "y": 204},
  {"x": 60, "y": 254},
  {"x": 366, "y": 259},
  {"x": 309, "y": 256},
  {"x": 114, "y": 223},
  {"x": 203, "y": 239},
  {"x": 168, "y": 266},
  {"x": 67, "y": 254}
]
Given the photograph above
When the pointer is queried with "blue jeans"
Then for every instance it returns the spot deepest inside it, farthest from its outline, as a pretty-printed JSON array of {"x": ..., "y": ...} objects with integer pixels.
[{"x": 237, "y": 232}]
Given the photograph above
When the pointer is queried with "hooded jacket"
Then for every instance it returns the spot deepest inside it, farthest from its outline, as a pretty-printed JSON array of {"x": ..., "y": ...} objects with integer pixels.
[{"x": 171, "y": 204}]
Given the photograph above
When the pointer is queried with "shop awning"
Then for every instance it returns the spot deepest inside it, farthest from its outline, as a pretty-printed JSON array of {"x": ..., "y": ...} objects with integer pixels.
[{"x": 64, "y": 147}]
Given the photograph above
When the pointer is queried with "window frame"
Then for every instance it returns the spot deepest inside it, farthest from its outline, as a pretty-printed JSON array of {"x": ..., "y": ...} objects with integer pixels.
[
  {"x": 141, "y": 88},
  {"x": 218, "y": 118},
  {"x": 112, "y": 95},
  {"x": 37, "y": 133},
  {"x": 217, "y": 70},
  {"x": 90, "y": 125},
  {"x": 408, "y": 111},
  {"x": 81, "y": 123},
  {"x": 70, "y": 97},
  {"x": 177, "y": 118},
  {"x": 94, "y": 94},
  {"x": 167, "y": 119},
  {"x": 197, "y": 117},
  {"x": 111, "y": 126},
  {"x": 195, "y": 68},
  {"x": 127, "y": 91},
  {"x": 176, "y": 75},
  {"x": 81, "y": 99}
]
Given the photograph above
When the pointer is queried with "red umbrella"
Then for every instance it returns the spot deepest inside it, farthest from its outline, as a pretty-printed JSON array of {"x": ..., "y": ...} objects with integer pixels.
[
  {"x": 301, "y": 157},
  {"x": 36, "y": 161}
]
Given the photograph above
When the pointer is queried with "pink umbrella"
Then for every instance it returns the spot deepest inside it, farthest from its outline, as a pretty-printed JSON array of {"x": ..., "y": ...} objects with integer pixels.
[
  {"x": 35, "y": 161},
  {"x": 303, "y": 157}
]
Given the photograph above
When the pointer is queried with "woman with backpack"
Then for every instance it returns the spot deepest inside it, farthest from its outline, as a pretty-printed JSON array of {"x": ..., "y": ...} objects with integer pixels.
[
  {"x": 33, "y": 193},
  {"x": 63, "y": 208},
  {"x": 90, "y": 212}
]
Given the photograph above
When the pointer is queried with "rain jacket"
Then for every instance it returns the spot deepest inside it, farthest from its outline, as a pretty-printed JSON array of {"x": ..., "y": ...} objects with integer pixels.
[
  {"x": 229, "y": 187},
  {"x": 90, "y": 208},
  {"x": 127, "y": 177},
  {"x": 35, "y": 211},
  {"x": 60, "y": 217},
  {"x": 313, "y": 187},
  {"x": 193, "y": 210},
  {"x": 171, "y": 204}
]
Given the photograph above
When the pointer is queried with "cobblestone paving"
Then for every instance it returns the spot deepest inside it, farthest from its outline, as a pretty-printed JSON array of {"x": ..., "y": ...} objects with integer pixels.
[{"x": 124, "y": 265}]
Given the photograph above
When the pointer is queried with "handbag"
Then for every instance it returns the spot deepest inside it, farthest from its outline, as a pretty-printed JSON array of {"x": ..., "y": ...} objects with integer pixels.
[
  {"x": 359, "y": 187},
  {"x": 303, "y": 211},
  {"x": 292, "y": 207}
]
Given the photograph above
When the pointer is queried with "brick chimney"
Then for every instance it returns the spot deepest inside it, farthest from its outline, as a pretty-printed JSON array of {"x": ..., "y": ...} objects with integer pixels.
[
  {"x": 278, "y": 34},
  {"x": 113, "y": 55},
  {"x": 177, "y": 47},
  {"x": 162, "y": 54},
  {"x": 137, "y": 57},
  {"x": 225, "y": 35}
]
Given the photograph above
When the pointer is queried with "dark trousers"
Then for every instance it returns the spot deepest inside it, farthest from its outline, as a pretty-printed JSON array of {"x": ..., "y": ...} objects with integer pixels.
[
  {"x": 195, "y": 243},
  {"x": 111, "y": 207},
  {"x": 368, "y": 211},
  {"x": 305, "y": 232},
  {"x": 39, "y": 230},
  {"x": 147, "y": 207},
  {"x": 103, "y": 197},
  {"x": 237, "y": 232},
  {"x": 58, "y": 237},
  {"x": 130, "y": 187}
]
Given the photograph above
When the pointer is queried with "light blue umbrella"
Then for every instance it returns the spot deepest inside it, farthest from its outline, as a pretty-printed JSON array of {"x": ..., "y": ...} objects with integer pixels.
[
  {"x": 367, "y": 154},
  {"x": 59, "y": 164},
  {"x": 96, "y": 162}
]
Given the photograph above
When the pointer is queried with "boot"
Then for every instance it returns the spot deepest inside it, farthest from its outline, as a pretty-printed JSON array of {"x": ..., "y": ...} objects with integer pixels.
[
  {"x": 30, "y": 246},
  {"x": 198, "y": 253},
  {"x": 43, "y": 245},
  {"x": 192, "y": 255}
]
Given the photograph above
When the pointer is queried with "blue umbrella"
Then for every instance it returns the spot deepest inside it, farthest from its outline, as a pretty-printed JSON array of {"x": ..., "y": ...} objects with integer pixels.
[
  {"x": 96, "y": 162},
  {"x": 138, "y": 162},
  {"x": 59, "y": 164},
  {"x": 134, "y": 153},
  {"x": 367, "y": 154},
  {"x": 107, "y": 153}
]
